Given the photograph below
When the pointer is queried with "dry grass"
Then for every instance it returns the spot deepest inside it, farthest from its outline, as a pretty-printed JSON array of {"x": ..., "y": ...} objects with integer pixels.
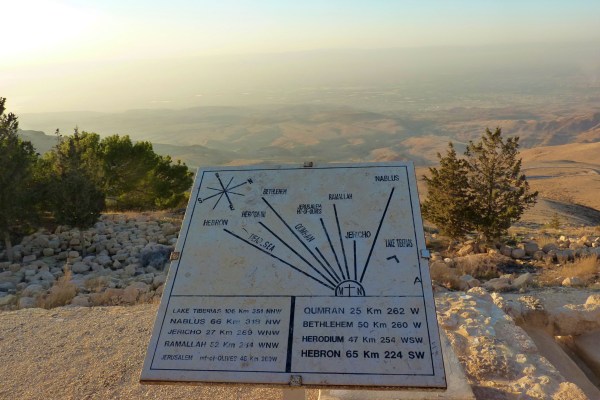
[
  {"x": 585, "y": 268},
  {"x": 544, "y": 240},
  {"x": 479, "y": 266},
  {"x": 160, "y": 215},
  {"x": 60, "y": 294},
  {"x": 97, "y": 284}
]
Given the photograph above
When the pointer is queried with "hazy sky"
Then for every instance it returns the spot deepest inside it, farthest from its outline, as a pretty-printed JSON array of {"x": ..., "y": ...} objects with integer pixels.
[{"x": 77, "y": 54}]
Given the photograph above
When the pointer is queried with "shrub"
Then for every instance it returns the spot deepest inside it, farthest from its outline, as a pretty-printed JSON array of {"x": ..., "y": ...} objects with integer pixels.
[
  {"x": 585, "y": 268},
  {"x": 60, "y": 294}
]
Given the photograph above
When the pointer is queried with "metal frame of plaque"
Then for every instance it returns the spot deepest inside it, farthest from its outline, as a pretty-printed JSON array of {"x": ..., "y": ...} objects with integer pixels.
[{"x": 313, "y": 276}]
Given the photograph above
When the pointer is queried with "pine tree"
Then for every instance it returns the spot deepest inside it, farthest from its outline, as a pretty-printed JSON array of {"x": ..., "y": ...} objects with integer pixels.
[
  {"x": 75, "y": 196},
  {"x": 17, "y": 160},
  {"x": 447, "y": 203}
]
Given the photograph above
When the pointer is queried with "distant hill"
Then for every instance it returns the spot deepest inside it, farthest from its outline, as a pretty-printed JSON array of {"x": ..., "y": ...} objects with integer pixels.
[
  {"x": 322, "y": 133},
  {"x": 39, "y": 139}
]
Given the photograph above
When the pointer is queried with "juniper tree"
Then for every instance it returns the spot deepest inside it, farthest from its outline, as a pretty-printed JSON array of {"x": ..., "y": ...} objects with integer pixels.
[{"x": 499, "y": 191}]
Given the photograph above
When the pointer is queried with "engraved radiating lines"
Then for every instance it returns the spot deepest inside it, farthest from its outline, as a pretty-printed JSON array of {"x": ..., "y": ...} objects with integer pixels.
[
  {"x": 337, "y": 278},
  {"x": 296, "y": 253},
  {"x": 323, "y": 273},
  {"x": 376, "y": 235},
  {"x": 337, "y": 221},
  {"x": 277, "y": 258},
  {"x": 332, "y": 249}
]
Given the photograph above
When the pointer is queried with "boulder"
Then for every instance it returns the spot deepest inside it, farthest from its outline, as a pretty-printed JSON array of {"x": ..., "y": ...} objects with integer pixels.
[
  {"x": 549, "y": 246},
  {"x": 518, "y": 253},
  {"x": 506, "y": 251},
  {"x": 8, "y": 287},
  {"x": 27, "y": 302},
  {"x": 498, "y": 285},
  {"x": 80, "y": 267},
  {"x": 146, "y": 278},
  {"x": 593, "y": 300},
  {"x": 129, "y": 270},
  {"x": 161, "y": 279},
  {"x": 573, "y": 281},
  {"x": 466, "y": 249},
  {"x": 33, "y": 290},
  {"x": 28, "y": 259},
  {"x": 522, "y": 281},
  {"x": 530, "y": 248},
  {"x": 564, "y": 256},
  {"x": 468, "y": 280},
  {"x": 104, "y": 260},
  {"x": 81, "y": 300},
  {"x": 48, "y": 252}
]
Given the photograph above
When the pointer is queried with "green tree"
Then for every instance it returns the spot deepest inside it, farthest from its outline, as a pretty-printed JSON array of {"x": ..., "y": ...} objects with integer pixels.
[
  {"x": 448, "y": 197},
  {"x": 125, "y": 164},
  {"x": 499, "y": 191},
  {"x": 137, "y": 178},
  {"x": 483, "y": 192},
  {"x": 17, "y": 161},
  {"x": 170, "y": 183},
  {"x": 75, "y": 196}
]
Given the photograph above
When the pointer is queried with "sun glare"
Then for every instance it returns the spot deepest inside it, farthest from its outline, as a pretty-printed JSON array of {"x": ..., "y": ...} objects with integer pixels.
[{"x": 42, "y": 28}]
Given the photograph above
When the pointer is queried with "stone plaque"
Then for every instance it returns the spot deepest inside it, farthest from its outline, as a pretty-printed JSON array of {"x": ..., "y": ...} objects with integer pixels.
[{"x": 308, "y": 275}]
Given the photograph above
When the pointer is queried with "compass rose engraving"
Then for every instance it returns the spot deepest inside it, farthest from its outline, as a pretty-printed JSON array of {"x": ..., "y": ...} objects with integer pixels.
[{"x": 224, "y": 191}]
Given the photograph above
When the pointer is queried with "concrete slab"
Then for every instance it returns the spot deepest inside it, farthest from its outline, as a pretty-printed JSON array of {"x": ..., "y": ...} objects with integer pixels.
[{"x": 458, "y": 387}]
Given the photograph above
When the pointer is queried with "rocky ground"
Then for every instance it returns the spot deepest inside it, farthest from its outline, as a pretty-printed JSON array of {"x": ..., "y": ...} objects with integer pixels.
[
  {"x": 122, "y": 260},
  {"x": 524, "y": 319}
]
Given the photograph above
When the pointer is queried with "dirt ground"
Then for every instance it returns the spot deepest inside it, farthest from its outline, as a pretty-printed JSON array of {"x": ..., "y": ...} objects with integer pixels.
[
  {"x": 91, "y": 353},
  {"x": 98, "y": 352}
]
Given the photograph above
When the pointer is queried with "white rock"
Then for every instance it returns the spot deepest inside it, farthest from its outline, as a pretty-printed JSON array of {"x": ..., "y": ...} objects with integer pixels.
[
  {"x": 104, "y": 260},
  {"x": 159, "y": 280},
  {"x": 146, "y": 278},
  {"x": 498, "y": 285},
  {"x": 129, "y": 270},
  {"x": 573, "y": 281},
  {"x": 45, "y": 276},
  {"x": 33, "y": 290},
  {"x": 593, "y": 300},
  {"x": 29, "y": 258},
  {"x": 80, "y": 267},
  {"x": 522, "y": 281}
]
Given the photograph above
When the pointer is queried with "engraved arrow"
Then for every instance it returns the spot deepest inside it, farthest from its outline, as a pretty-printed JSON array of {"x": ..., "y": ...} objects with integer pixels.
[{"x": 395, "y": 258}]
